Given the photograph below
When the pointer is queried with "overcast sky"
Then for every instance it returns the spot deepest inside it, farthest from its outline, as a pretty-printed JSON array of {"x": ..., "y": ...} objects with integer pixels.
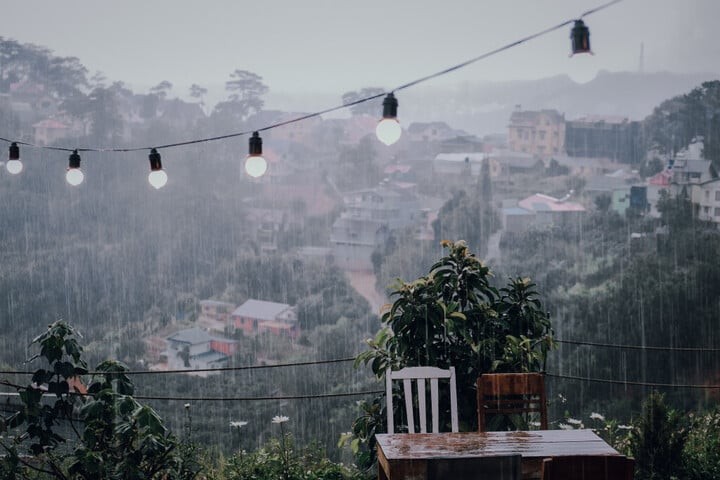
[{"x": 332, "y": 46}]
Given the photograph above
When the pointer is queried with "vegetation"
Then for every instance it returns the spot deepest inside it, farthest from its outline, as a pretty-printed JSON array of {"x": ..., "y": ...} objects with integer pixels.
[{"x": 454, "y": 317}]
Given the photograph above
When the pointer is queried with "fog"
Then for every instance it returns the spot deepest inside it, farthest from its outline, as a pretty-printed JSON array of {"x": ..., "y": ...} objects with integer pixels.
[{"x": 593, "y": 175}]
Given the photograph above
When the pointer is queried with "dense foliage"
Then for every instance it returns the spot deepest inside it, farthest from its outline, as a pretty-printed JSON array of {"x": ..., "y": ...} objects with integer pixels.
[{"x": 454, "y": 317}]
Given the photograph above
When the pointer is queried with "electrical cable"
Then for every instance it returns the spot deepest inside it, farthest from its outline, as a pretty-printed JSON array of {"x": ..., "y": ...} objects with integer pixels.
[
  {"x": 404, "y": 86},
  {"x": 220, "y": 369},
  {"x": 201, "y": 399},
  {"x": 642, "y": 384},
  {"x": 640, "y": 347}
]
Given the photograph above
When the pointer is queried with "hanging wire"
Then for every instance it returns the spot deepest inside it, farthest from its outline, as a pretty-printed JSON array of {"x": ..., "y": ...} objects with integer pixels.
[
  {"x": 641, "y": 384},
  {"x": 220, "y": 369},
  {"x": 404, "y": 86},
  {"x": 640, "y": 347}
]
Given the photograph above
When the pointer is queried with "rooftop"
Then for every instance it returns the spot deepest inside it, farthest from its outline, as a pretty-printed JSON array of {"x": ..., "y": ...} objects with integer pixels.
[{"x": 260, "y": 309}]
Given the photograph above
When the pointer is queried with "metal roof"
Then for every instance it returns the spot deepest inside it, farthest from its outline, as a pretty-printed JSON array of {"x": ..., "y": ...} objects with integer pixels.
[{"x": 260, "y": 309}]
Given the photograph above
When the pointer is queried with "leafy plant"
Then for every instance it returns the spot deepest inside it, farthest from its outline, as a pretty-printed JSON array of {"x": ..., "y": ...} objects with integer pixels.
[
  {"x": 702, "y": 448},
  {"x": 657, "y": 441},
  {"x": 454, "y": 317},
  {"x": 114, "y": 435}
]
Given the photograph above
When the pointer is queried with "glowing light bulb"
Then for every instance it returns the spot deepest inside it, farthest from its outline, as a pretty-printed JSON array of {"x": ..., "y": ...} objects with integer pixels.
[
  {"x": 255, "y": 164},
  {"x": 157, "y": 178},
  {"x": 14, "y": 165},
  {"x": 74, "y": 176},
  {"x": 388, "y": 130}
]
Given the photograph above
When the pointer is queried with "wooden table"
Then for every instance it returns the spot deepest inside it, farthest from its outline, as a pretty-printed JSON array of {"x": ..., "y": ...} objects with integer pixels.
[{"x": 406, "y": 456}]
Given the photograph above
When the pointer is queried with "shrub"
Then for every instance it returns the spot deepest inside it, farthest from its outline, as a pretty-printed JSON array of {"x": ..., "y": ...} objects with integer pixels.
[{"x": 702, "y": 448}]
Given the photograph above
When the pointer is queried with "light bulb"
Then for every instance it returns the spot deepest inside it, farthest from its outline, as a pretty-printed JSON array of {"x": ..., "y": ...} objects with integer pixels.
[
  {"x": 255, "y": 166},
  {"x": 14, "y": 165},
  {"x": 157, "y": 178},
  {"x": 388, "y": 130},
  {"x": 74, "y": 176}
]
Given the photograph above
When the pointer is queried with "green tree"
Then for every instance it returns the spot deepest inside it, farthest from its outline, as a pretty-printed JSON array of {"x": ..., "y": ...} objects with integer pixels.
[
  {"x": 454, "y": 317},
  {"x": 114, "y": 435},
  {"x": 371, "y": 107},
  {"x": 657, "y": 441},
  {"x": 245, "y": 91}
]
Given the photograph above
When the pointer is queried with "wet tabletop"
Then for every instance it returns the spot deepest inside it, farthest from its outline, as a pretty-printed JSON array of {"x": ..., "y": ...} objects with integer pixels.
[{"x": 529, "y": 444}]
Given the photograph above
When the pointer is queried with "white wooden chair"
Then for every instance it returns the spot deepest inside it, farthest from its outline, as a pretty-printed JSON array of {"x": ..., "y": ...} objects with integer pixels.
[{"x": 420, "y": 374}]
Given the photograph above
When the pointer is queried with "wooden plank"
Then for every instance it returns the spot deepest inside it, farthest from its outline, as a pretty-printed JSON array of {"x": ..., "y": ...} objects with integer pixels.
[
  {"x": 411, "y": 456},
  {"x": 530, "y": 444},
  {"x": 421, "y": 404}
]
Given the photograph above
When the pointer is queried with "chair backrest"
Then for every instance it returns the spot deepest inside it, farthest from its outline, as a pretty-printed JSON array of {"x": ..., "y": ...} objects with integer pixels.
[
  {"x": 421, "y": 374},
  {"x": 588, "y": 467},
  {"x": 509, "y": 394}
]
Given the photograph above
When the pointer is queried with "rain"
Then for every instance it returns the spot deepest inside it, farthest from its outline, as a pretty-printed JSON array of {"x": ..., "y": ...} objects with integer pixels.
[{"x": 247, "y": 209}]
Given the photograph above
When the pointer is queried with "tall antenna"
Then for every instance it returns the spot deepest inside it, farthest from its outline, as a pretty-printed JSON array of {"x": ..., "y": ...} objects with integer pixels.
[{"x": 641, "y": 63}]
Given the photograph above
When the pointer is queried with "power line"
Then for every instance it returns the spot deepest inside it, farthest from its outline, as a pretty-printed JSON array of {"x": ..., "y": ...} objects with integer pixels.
[
  {"x": 197, "y": 370},
  {"x": 640, "y": 347},
  {"x": 253, "y": 399},
  {"x": 404, "y": 86},
  {"x": 642, "y": 384},
  {"x": 203, "y": 399}
]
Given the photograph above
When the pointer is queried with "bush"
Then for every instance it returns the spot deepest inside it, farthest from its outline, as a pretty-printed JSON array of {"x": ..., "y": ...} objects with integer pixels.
[
  {"x": 657, "y": 441},
  {"x": 702, "y": 448}
]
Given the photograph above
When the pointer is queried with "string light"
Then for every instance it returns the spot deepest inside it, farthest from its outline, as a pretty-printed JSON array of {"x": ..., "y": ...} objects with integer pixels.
[
  {"x": 580, "y": 36},
  {"x": 157, "y": 177},
  {"x": 388, "y": 129},
  {"x": 14, "y": 165},
  {"x": 74, "y": 175},
  {"x": 255, "y": 163}
]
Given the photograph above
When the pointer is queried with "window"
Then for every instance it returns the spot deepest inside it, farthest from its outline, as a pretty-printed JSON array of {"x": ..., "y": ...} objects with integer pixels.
[
  {"x": 717, "y": 211},
  {"x": 717, "y": 195},
  {"x": 542, "y": 134}
]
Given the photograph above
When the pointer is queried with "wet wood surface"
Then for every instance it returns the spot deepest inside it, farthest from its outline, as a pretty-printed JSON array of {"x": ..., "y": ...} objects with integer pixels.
[{"x": 407, "y": 456}]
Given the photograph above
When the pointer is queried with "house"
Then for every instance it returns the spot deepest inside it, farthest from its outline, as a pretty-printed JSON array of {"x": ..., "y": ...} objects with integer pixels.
[
  {"x": 215, "y": 310},
  {"x": 394, "y": 203},
  {"x": 354, "y": 240},
  {"x": 603, "y": 136},
  {"x": 49, "y": 131},
  {"x": 465, "y": 164},
  {"x": 689, "y": 167},
  {"x": 258, "y": 316},
  {"x": 510, "y": 162},
  {"x": 540, "y": 133},
  {"x": 195, "y": 348},
  {"x": 266, "y": 225},
  {"x": 431, "y": 132},
  {"x": 541, "y": 210},
  {"x": 706, "y": 198}
]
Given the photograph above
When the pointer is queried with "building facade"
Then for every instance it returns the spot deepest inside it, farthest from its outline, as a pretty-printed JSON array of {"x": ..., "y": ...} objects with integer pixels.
[{"x": 540, "y": 133}]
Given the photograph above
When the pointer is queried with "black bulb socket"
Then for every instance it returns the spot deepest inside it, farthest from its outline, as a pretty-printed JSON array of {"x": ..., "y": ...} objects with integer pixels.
[
  {"x": 155, "y": 163},
  {"x": 74, "y": 161},
  {"x": 390, "y": 106},
  {"x": 14, "y": 152},
  {"x": 255, "y": 144}
]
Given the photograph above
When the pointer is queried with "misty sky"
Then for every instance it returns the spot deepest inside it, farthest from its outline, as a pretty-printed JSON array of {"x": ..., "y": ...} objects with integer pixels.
[{"x": 329, "y": 47}]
